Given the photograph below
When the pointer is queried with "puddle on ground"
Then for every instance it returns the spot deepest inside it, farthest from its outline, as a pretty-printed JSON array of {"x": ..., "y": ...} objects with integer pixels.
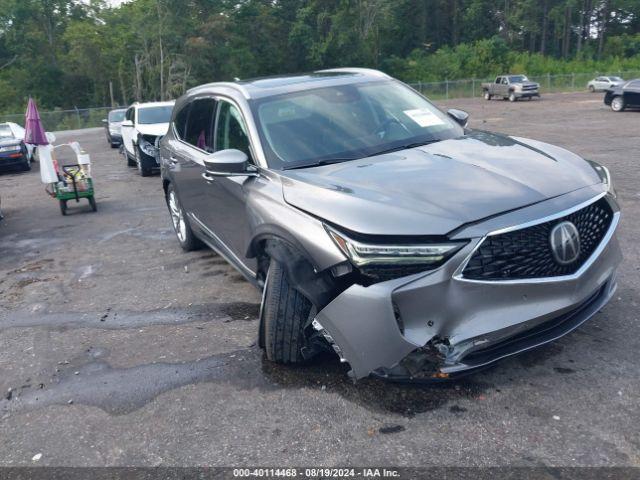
[
  {"x": 123, "y": 390},
  {"x": 109, "y": 319}
]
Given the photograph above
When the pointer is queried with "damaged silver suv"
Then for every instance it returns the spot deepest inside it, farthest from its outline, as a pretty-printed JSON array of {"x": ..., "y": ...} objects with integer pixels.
[{"x": 383, "y": 228}]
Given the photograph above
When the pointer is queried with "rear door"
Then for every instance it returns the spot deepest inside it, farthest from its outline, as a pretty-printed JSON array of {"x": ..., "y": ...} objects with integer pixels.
[{"x": 193, "y": 129}]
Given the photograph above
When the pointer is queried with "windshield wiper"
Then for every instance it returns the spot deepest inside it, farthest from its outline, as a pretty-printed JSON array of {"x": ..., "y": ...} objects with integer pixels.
[
  {"x": 320, "y": 163},
  {"x": 403, "y": 147}
]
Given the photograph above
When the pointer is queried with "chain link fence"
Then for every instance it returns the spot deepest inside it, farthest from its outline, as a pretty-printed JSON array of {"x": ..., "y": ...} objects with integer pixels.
[
  {"x": 57, "y": 120},
  {"x": 469, "y": 88}
]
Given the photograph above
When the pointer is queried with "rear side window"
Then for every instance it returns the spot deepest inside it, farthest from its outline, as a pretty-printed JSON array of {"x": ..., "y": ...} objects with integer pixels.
[
  {"x": 180, "y": 121},
  {"x": 199, "y": 131}
]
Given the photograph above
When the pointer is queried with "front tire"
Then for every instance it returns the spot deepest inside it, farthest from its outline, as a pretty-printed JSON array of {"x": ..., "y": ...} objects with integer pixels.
[
  {"x": 144, "y": 170},
  {"x": 512, "y": 97},
  {"x": 285, "y": 316},
  {"x": 487, "y": 95},
  {"x": 617, "y": 104},
  {"x": 592, "y": 89},
  {"x": 186, "y": 238}
]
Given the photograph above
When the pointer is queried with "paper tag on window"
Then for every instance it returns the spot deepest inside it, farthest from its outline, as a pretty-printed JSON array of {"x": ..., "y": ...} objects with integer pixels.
[{"x": 424, "y": 117}]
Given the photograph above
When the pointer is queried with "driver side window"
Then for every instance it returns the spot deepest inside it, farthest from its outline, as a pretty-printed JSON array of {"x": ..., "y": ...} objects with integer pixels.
[{"x": 231, "y": 131}]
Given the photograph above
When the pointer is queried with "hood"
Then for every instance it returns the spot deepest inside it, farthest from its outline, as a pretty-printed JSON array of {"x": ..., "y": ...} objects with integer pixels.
[
  {"x": 526, "y": 84},
  {"x": 5, "y": 142},
  {"x": 155, "y": 129},
  {"x": 435, "y": 189}
]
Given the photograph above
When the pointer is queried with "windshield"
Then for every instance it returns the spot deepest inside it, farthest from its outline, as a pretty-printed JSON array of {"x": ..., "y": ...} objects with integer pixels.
[
  {"x": 518, "y": 79},
  {"x": 150, "y": 115},
  {"x": 347, "y": 122},
  {"x": 116, "y": 115},
  {"x": 615, "y": 79},
  {"x": 5, "y": 131}
]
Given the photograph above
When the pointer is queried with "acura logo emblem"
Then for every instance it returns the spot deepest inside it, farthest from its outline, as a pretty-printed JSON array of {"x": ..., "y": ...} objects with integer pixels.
[{"x": 565, "y": 243}]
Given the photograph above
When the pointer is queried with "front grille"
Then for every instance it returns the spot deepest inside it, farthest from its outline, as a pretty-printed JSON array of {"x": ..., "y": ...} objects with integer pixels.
[{"x": 526, "y": 253}]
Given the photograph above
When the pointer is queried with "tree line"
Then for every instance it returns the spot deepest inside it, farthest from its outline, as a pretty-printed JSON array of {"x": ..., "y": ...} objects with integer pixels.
[{"x": 78, "y": 53}]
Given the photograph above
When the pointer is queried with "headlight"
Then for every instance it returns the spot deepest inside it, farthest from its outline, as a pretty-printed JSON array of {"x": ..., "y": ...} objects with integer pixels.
[
  {"x": 146, "y": 146},
  {"x": 10, "y": 148},
  {"x": 518, "y": 88},
  {"x": 605, "y": 176},
  {"x": 362, "y": 254}
]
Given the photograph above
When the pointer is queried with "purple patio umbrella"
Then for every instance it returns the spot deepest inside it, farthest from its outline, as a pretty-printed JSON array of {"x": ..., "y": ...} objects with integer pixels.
[{"x": 34, "y": 131}]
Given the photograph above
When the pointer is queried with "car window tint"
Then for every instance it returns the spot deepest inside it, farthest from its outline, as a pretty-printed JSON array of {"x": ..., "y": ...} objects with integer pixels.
[
  {"x": 231, "y": 131},
  {"x": 499, "y": 80},
  {"x": 200, "y": 124},
  {"x": 5, "y": 131},
  {"x": 180, "y": 121}
]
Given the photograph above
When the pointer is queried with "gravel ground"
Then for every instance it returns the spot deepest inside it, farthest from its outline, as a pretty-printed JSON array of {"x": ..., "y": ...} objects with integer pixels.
[{"x": 120, "y": 349}]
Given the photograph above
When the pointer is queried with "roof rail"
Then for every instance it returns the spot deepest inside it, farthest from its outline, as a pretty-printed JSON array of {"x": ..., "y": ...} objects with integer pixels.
[
  {"x": 233, "y": 85},
  {"x": 364, "y": 71}
]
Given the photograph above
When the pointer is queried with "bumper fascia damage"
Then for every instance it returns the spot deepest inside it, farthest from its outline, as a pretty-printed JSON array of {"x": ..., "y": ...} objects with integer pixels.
[{"x": 438, "y": 325}]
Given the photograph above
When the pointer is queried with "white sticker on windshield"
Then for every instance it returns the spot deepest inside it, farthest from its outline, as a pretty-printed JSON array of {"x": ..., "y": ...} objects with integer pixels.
[{"x": 424, "y": 117}]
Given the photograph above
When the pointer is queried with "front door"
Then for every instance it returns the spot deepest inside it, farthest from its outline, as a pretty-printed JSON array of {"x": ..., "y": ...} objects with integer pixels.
[
  {"x": 223, "y": 203},
  {"x": 127, "y": 131}
]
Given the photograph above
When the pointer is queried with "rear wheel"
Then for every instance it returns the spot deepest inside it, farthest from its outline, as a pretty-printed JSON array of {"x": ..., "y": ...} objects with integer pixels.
[
  {"x": 26, "y": 166},
  {"x": 617, "y": 104},
  {"x": 188, "y": 241},
  {"x": 285, "y": 316}
]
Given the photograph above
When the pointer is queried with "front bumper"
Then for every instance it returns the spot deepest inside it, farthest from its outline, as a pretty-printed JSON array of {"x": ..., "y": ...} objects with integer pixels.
[
  {"x": 527, "y": 93},
  {"x": 12, "y": 159},
  {"x": 437, "y": 324}
]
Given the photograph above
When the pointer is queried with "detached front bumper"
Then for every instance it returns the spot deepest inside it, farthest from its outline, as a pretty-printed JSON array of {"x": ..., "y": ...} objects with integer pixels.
[{"x": 438, "y": 324}]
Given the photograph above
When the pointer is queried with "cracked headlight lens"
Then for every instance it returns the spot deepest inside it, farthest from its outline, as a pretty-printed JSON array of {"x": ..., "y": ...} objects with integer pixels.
[
  {"x": 362, "y": 254},
  {"x": 146, "y": 146}
]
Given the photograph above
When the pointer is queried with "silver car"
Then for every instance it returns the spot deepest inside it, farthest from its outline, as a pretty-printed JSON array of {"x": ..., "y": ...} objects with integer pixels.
[
  {"x": 600, "y": 84},
  {"x": 385, "y": 229}
]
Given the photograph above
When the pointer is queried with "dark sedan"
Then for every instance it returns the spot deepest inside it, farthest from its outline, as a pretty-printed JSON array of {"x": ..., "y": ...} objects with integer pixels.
[
  {"x": 112, "y": 125},
  {"x": 13, "y": 151},
  {"x": 623, "y": 96}
]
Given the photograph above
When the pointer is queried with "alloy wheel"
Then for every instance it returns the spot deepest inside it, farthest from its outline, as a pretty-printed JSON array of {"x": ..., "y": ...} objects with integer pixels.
[{"x": 177, "y": 217}]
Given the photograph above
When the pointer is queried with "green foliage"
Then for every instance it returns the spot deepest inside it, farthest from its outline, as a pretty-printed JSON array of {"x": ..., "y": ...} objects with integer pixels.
[{"x": 74, "y": 53}]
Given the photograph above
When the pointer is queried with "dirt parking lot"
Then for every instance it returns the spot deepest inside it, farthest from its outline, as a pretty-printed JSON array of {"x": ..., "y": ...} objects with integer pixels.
[{"x": 119, "y": 349}]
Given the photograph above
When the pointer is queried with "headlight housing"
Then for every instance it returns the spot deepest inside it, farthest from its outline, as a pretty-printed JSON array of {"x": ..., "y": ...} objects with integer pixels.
[
  {"x": 385, "y": 261},
  {"x": 605, "y": 175},
  {"x": 146, "y": 144}
]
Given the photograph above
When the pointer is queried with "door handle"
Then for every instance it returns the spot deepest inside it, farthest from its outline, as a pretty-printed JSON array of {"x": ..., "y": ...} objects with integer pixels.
[{"x": 208, "y": 177}]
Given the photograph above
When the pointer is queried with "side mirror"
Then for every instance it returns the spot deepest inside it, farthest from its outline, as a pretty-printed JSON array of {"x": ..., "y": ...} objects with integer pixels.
[
  {"x": 127, "y": 123},
  {"x": 104, "y": 120},
  {"x": 460, "y": 116},
  {"x": 228, "y": 163}
]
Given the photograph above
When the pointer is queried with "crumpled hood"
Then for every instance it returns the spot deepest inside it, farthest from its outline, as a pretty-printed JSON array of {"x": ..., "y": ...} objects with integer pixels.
[
  {"x": 434, "y": 189},
  {"x": 155, "y": 129},
  {"x": 5, "y": 142}
]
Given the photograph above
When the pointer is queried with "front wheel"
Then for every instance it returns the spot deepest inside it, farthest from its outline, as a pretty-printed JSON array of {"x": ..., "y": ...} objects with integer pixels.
[
  {"x": 285, "y": 317},
  {"x": 512, "y": 97},
  {"x": 487, "y": 95},
  {"x": 144, "y": 170},
  {"x": 592, "y": 89},
  {"x": 186, "y": 238},
  {"x": 617, "y": 104}
]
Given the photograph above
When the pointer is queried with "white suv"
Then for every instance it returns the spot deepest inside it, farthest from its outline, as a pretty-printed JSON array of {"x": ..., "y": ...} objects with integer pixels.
[{"x": 143, "y": 124}]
